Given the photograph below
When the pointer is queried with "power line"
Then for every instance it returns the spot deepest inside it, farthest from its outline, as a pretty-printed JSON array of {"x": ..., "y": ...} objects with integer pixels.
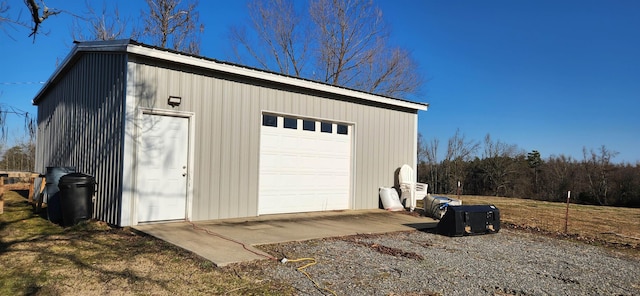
[
  {"x": 12, "y": 110},
  {"x": 22, "y": 83}
]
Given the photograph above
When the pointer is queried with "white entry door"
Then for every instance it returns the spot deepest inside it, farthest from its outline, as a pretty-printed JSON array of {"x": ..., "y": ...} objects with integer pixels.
[{"x": 162, "y": 168}]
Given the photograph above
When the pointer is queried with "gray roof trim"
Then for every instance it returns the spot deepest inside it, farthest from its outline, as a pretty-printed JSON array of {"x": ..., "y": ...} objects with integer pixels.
[
  {"x": 94, "y": 46},
  {"x": 133, "y": 47}
]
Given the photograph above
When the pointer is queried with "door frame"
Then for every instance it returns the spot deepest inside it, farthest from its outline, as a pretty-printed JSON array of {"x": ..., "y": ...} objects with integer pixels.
[{"x": 190, "y": 116}]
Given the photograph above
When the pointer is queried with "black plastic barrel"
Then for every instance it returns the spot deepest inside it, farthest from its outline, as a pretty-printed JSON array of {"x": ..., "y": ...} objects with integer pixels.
[
  {"x": 76, "y": 197},
  {"x": 53, "y": 175}
]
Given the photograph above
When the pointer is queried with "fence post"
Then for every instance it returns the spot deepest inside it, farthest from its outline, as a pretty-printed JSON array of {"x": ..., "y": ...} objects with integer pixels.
[
  {"x": 2, "y": 193},
  {"x": 566, "y": 215}
]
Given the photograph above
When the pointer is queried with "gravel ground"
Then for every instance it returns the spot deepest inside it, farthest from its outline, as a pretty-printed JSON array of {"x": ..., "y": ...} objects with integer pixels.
[{"x": 511, "y": 262}]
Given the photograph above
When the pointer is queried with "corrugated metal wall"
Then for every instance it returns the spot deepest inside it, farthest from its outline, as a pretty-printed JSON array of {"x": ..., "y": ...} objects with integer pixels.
[
  {"x": 228, "y": 120},
  {"x": 80, "y": 125}
]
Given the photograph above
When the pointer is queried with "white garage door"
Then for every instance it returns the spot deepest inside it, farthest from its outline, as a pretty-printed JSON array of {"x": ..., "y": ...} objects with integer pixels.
[{"x": 305, "y": 165}]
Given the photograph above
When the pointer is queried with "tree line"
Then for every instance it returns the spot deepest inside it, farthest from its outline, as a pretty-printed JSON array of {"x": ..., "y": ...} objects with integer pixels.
[
  {"x": 495, "y": 168},
  {"x": 20, "y": 157}
]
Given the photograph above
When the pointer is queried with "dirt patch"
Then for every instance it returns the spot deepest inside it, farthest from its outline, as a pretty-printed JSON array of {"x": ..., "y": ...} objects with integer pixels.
[{"x": 362, "y": 241}]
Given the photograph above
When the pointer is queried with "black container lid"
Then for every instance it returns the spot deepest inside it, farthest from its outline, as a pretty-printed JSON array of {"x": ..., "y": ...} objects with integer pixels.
[{"x": 75, "y": 178}]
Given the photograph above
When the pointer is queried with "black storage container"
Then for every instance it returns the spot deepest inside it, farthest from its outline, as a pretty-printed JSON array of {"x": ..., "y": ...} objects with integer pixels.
[
  {"x": 469, "y": 220},
  {"x": 53, "y": 175},
  {"x": 76, "y": 197}
]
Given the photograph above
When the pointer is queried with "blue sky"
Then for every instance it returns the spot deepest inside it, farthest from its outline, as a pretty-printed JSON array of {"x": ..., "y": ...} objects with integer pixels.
[{"x": 554, "y": 76}]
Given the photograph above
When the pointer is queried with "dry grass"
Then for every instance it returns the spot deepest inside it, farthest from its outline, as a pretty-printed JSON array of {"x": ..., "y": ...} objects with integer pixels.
[
  {"x": 610, "y": 226},
  {"x": 40, "y": 258}
]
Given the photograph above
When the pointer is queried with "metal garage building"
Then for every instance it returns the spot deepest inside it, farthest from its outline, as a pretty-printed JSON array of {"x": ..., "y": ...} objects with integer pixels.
[{"x": 171, "y": 136}]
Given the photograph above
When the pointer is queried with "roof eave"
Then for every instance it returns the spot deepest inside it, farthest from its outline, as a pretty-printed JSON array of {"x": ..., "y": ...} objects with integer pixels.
[
  {"x": 117, "y": 45},
  {"x": 143, "y": 50},
  {"x": 132, "y": 47}
]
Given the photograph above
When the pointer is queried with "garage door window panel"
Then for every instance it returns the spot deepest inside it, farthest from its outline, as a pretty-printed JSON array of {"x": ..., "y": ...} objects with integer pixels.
[
  {"x": 343, "y": 129},
  {"x": 269, "y": 120},
  {"x": 309, "y": 125},
  {"x": 326, "y": 127},
  {"x": 291, "y": 123}
]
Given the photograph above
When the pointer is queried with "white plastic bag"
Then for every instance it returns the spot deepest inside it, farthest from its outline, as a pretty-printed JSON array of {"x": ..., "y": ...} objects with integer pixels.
[{"x": 390, "y": 199}]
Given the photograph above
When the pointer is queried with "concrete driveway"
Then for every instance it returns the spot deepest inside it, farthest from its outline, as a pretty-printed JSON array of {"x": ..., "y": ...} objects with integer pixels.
[{"x": 233, "y": 240}]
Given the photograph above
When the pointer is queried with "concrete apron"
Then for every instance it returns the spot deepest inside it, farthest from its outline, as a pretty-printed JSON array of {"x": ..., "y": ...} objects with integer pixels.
[{"x": 224, "y": 241}]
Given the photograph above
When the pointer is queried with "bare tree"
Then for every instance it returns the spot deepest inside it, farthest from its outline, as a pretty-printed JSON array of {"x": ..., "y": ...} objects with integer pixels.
[
  {"x": 4, "y": 12},
  {"x": 459, "y": 152},
  {"x": 559, "y": 177},
  {"x": 349, "y": 45},
  {"x": 3, "y": 123},
  {"x": 169, "y": 24},
  {"x": 428, "y": 162},
  {"x": 20, "y": 157},
  {"x": 391, "y": 72},
  {"x": 347, "y": 32},
  {"x": 39, "y": 14},
  {"x": 29, "y": 122},
  {"x": 102, "y": 26},
  {"x": 597, "y": 165},
  {"x": 498, "y": 164},
  {"x": 458, "y": 147},
  {"x": 279, "y": 28},
  {"x": 353, "y": 52},
  {"x": 422, "y": 149}
]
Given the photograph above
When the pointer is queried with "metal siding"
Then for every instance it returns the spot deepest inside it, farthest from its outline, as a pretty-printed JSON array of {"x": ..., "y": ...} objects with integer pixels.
[
  {"x": 200, "y": 205},
  {"x": 228, "y": 134},
  {"x": 225, "y": 151},
  {"x": 214, "y": 125},
  {"x": 255, "y": 122},
  {"x": 233, "y": 127},
  {"x": 79, "y": 125},
  {"x": 81, "y": 118},
  {"x": 367, "y": 146}
]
